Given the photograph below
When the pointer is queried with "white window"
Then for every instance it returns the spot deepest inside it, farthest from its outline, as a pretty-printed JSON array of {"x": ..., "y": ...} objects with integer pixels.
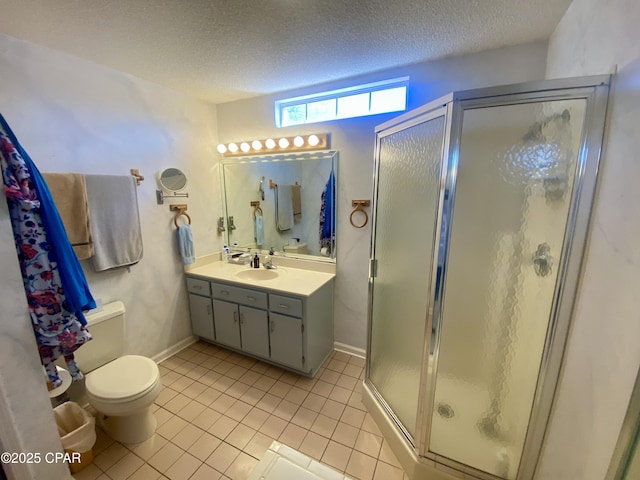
[{"x": 358, "y": 101}]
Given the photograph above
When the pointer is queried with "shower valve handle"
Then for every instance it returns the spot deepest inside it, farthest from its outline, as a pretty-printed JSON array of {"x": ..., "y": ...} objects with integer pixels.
[{"x": 542, "y": 260}]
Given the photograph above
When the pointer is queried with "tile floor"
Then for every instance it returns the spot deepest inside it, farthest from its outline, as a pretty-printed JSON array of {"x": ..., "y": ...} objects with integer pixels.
[{"x": 219, "y": 411}]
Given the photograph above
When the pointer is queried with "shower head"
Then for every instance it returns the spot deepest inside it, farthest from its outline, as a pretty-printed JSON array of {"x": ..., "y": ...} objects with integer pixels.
[{"x": 534, "y": 134}]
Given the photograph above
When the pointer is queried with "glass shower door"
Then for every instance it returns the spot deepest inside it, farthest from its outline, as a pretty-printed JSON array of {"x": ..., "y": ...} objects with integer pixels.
[
  {"x": 514, "y": 188},
  {"x": 407, "y": 190}
]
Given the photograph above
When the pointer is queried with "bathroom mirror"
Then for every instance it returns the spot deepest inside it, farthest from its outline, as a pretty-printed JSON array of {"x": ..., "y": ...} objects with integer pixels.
[
  {"x": 295, "y": 196},
  {"x": 173, "y": 179}
]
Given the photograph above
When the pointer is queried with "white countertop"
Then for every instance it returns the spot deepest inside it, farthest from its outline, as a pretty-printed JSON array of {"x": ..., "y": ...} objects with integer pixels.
[{"x": 296, "y": 281}]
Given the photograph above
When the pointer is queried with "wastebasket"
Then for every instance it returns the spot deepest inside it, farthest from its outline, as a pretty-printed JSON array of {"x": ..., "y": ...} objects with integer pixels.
[{"x": 77, "y": 430}]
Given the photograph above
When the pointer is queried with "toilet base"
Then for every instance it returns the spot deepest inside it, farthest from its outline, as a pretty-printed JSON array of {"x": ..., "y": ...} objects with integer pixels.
[{"x": 130, "y": 428}]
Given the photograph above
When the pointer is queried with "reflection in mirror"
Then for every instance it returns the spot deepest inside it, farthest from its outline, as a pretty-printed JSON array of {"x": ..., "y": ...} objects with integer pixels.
[
  {"x": 287, "y": 202},
  {"x": 173, "y": 180}
]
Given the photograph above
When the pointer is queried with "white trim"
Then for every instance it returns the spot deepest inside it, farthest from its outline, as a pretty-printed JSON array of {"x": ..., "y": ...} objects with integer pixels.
[
  {"x": 168, "y": 352},
  {"x": 351, "y": 350}
]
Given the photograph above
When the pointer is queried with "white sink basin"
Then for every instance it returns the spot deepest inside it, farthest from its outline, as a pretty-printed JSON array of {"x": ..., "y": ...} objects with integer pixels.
[{"x": 258, "y": 274}]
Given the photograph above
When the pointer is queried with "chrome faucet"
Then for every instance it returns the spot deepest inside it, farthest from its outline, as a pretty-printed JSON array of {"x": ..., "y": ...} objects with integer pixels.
[{"x": 268, "y": 263}]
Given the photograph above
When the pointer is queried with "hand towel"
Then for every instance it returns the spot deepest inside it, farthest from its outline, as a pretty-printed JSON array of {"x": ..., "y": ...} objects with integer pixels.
[
  {"x": 296, "y": 202},
  {"x": 69, "y": 192},
  {"x": 258, "y": 228},
  {"x": 115, "y": 221},
  {"x": 284, "y": 208},
  {"x": 185, "y": 244}
]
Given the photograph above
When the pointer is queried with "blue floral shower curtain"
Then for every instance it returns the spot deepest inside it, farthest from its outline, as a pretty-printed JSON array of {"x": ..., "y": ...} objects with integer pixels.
[{"x": 54, "y": 283}]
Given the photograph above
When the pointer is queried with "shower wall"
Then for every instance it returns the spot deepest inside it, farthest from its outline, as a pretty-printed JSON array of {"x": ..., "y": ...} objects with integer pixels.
[{"x": 602, "y": 357}]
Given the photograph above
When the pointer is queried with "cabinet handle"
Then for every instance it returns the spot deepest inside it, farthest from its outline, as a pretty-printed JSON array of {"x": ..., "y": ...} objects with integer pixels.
[
  {"x": 253, "y": 299},
  {"x": 208, "y": 309},
  {"x": 224, "y": 292},
  {"x": 242, "y": 319},
  {"x": 196, "y": 287},
  {"x": 282, "y": 305},
  {"x": 273, "y": 326},
  {"x": 235, "y": 317}
]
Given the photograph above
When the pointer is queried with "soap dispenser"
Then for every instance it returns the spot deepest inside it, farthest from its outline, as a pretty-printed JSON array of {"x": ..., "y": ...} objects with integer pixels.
[{"x": 256, "y": 261}]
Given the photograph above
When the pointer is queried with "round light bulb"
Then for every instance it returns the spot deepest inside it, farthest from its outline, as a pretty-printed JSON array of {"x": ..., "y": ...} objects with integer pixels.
[
  {"x": 313, "y": 140},
  {"x": 283, "y": 143},
  {"x": 270, "y": 143},
  {"x": 222, "y": 148},
  {"x": 233, "y": 148},
  {"x": 298, "y": 141},
  {"x": 256, "y": 144},
  {"x": 245, "y": 147}
]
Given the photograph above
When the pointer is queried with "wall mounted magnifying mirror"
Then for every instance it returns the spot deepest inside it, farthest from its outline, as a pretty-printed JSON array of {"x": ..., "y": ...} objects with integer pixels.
[
  {"x": 172, "y": 181},
  {"x": 286, "y": 201}
]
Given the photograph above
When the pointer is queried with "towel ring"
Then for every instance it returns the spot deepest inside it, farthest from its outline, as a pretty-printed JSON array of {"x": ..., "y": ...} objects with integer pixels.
[
  {"x": 256, "y": 209},
  {"x": 182, "y": 210},
  {"x": 175, "y": 220},
  {"x": 358, "y": 204}
]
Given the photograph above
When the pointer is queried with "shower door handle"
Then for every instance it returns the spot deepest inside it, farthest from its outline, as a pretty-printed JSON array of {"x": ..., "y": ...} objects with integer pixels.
[{"x": 542, "y": 260}]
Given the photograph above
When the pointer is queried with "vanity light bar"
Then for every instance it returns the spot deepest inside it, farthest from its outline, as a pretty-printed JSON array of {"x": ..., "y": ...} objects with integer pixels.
[{"x": 316, "y": 141}]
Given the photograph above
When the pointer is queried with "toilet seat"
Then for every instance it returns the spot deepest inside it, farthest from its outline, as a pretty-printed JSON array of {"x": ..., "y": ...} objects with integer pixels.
[{"x": 124, "y": 379}]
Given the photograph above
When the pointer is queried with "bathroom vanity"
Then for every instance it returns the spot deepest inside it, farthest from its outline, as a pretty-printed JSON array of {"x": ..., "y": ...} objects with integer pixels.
[{"x": 282, "y": 316}]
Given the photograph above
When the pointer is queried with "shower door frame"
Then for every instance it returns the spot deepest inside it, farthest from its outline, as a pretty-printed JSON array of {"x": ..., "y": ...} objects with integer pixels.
[
  {"x": 441, "y": 107},
  {"x": 594, "y": 90}
]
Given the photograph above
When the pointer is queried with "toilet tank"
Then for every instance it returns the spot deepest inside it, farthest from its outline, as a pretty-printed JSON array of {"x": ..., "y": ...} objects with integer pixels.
[
  {"x": 296, "y": 248},
  {"x": 107, "y": 328}
]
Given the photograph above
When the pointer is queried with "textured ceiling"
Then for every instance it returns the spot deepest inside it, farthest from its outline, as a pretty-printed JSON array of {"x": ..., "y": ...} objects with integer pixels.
[{"x": 221, "y": 50}]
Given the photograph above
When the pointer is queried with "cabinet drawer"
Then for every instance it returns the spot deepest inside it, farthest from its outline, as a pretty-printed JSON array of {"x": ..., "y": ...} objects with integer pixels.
[
  {"x": 201, "y": 287},
  {"x": 244, "y": 296},
  {"x": 286, "y": 305}
]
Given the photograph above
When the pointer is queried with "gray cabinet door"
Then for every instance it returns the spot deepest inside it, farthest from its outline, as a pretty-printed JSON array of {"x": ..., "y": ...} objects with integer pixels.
[
  {"x": 227, "y": 324},
  {"x": 201, "y": 316},
  {"x": 286, "y": 340},
  {"x": 254, "y": 329}
]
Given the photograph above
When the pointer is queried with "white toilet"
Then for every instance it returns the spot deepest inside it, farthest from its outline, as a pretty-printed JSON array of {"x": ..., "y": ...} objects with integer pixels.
[{"x": 122, "y": 388}]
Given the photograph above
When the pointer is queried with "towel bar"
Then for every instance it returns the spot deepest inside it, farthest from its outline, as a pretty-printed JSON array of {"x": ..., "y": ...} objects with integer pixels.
[{"x": 136, "y": 173}]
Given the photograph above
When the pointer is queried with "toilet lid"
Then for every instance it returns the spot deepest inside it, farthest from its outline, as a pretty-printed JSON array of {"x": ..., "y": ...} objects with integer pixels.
[{"x": 123, "y": 378}]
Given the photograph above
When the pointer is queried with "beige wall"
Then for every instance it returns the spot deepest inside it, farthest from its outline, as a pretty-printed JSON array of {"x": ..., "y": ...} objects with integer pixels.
[
  {"x": 602, "y": 356},
  {"x": 73, "y": 115},
  {"x": 354, "y": 139}
]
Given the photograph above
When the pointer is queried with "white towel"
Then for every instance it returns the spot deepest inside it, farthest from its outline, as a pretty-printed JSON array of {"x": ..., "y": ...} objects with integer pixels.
[
  {"x": 185, "y": 244},
  {"x": 284, "y": 208},
  {"x": 258, "y": 226},
  {"x": 115, "y": 221}
]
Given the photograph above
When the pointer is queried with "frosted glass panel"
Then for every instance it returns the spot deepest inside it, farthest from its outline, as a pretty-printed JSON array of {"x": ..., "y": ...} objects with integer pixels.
[
  {"x": 515, "y": 177},
  {"x": 408, "y": 189}
]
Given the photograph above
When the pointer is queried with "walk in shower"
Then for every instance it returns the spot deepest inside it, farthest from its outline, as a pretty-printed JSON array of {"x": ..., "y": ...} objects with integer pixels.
[{"x": 481, "y": 209}]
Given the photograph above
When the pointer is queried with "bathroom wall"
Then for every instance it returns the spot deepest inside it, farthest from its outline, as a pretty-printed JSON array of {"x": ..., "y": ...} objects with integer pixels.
[
  {"x": 602, "y": 355},
  {"x": 354, "y": 139},
  {"x": 73, "y": 115}
]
